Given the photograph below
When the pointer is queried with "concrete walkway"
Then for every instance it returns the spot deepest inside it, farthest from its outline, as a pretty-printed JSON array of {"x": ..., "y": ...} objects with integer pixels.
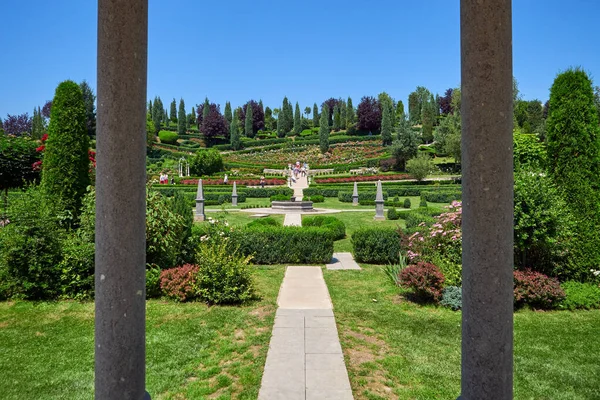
[
  {"x": 305, "y": 360},
  {"x": 343, "y": 261},
  {"x": 292, "y": 219}
]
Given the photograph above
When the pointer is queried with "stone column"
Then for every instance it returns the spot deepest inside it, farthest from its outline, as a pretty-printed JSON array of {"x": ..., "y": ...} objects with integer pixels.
[
  {"x": 120, "y": 331},
  {"x": 379, "y": 202},
  {"x": 234, "y": 196},
  {"x": 200, "y": 216},
  {"x": 355, "y": 195},
  {"x": 487, "y": 167}
]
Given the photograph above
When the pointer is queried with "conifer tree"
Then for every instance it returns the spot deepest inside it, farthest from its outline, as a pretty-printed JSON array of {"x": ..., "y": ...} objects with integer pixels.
[
  {"x": 150, "y": 109},
  {"x": 248, "y": 123},
  {"x": 181, "y": 118},
  {"x": 343, "y": 110},
  {"x": 324, "y": 130},
  {"x": 297, "y": 120},
  {"x": 337, "y": 119},
  {"x": 89, "y": 99},
  {"x": 260, "y": 104},
  {"x": 386, "y": 126},
  {"x": 428, "y": 118},
  {"x": 315, "y": 115},
  {"x": 234, "y": 132},
  {"x": 269, "y": 120},
  {"x": 173, "y": 115},
  {"x": 350, "y": 115},
  {"x": 205, "y": 109},
  {"x": 228, "y": 114},
  {"x": 193, "y": 117},
  {"x": 399, "y": 111},
  {"x": 157, "y": 114},
  {"x": 166, "y": 118}
]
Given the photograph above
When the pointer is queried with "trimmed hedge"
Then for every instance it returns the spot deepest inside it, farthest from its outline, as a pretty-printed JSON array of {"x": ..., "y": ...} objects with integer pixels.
[
  {"x": 260, "y": 193},
  {"x": 310, "y": 192},
  {"x": 288, "y": 244},
  {"x": 441, "y": 197},
  {"x": 168, "y": 137},
  {"x": 315, "y": 198},
  {"x": 346, "y": 197},
  {"x": 376, "y": 245},
  {"x": 337, "y": 227},
  {"x": 261, "y": 222}
]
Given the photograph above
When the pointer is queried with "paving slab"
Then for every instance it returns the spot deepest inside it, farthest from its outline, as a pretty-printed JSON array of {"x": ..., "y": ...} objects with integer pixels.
[
  {"x": 292, "y": 219},
  {"x": 343, "y": 261},
  {"x": 305, "y": 359}
]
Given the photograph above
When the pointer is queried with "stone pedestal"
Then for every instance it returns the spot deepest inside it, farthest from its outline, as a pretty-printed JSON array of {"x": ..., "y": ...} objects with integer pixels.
[
  {"x": 487, "y": 292},
  {"x": 379, "y": 202},
  {"x": 355, "y": 195},
  {"x": 200, "y": 216},
  {"x": 120, "y": 276},
  {"x": 234, "y": 196}
]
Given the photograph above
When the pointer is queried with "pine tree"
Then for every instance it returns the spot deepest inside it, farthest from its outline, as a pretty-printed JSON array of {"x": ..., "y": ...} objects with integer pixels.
[
  {"x": 315, "y": 115},
  {"x": 173, "y": 114},
  {"x": 234, "y": 132},
  {"x": 65, "y": 172},
  {"x": 350, "y": 115},
  {"x": 386, "y": 126},
  {"x": 297, "y": 120},
  {"x": 324, "y": 130},
  {"x": 181, "y": 118},
  {"x": 228, "y": 114},
  {"x": 337, "y": 119},
  {"x": 248, "y": 123}
]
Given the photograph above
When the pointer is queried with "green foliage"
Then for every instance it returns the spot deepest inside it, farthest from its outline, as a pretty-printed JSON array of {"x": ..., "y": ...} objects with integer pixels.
[
  {"x": 17, "y": 155},
  {"x": 406, "y": 145},
  {"x": 336, "y": 227},
  {"x": 324, "y": 130},
  {"x": 420, "y": 166},
  {"x": 393, "y": 270},
  {"x": 316, "y": 198},
  {"x": 181, "y": 118},
  {"x": 268, "y": 221},
  {"x": 276, "y": 245},
  {"x": 206, "y": 162},
  {"x": 428, "y": 107},
  {"x": 168, "y": 137},
  {"x": 297, "y": 120},
  {"x": 249, "y": 132},
  {"x": 224, "y": 276},
  {"x": 77, "y": 267},
  {"x": 350, "y": 114},
  {"x": 529, "y": 152},
  {"x": 580, "y": 296},
  {"x": 234, "y": 134},
  {"x": 30, "y": 248},
  {"x": 280, "y": 197},
  {"x": 65, "y": 173},
  {"x": 315, "y": 115},
  {"x": 152, "y": 281},
  {"x": 376, "y": 245},
  {"x": 337, "y": 118},
  {"x": 406, "y": 203},
  {"x": 386, "y": 126},
  {"x": 180, "y": 206},
  {"x": 452, "y": 297},
  {"x": 164, "y": 230},
  {"x": 573, "y": 137},
  {"x": 173, "y": 112},
  {"x": 89, "y": 99},
  {"x": 536, "y": 290},
  {"x": 392, "y": 214}
]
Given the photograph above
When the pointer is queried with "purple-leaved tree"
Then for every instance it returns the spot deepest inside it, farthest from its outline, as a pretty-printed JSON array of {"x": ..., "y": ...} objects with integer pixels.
[
  {"x": 368, "y": 114},
  {"x": 17, "y": 125}
]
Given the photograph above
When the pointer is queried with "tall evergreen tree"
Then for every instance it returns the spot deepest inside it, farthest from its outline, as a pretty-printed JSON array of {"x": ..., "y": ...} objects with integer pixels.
[
  {"x": 386, "y": 126},
  {"x": 343, "y": 110},
  {"x": 248, "y": 123},
  {"x": 270, "y": 123},
  {"x": 297, "y": 120},
  {"x": 399, "y": 111},
  {"x": 193, "y": 117},
  {"x": 386, "y": 101},
  {"x": 350, "y": 115},
  {"x": 150, "y": 107},
  {"x": 234, "y": 132},
  {"x": 289, "y": 116},
  {"x": 205, "y": 109},
  {"x": 157, "y": 114},
  {"x": 414, "y": 108},
  {"x": 65, "y": 172},
  {"x": 428, "y": 118},
  {"x": 173, "y": 112},
  {"x": 181, "y": 118},
  {"x": 89, "y": 99},
  {"x": 324, "y": 130},
  {"x": 337, "y": 118},
  {"x": 315, "y": 115},
  {"x": 260, "y": 105},
  {"x": 228, "y": 114},
  {"x": 406, "y": 144}
]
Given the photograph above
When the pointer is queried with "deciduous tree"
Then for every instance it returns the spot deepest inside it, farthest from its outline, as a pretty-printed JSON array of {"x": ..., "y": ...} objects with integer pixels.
[{"x": 369, "y": 115}]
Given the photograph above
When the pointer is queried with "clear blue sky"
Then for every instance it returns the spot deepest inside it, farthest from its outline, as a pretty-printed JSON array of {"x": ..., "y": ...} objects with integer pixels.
[{"x": 309, "y": 51}]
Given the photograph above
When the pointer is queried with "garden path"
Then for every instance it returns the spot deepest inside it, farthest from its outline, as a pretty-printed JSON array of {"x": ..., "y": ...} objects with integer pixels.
[{"x": 305, "y": 359}]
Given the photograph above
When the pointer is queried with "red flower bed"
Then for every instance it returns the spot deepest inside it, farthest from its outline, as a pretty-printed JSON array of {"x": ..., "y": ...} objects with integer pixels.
[
  {"x": 363, "y": 178},
  {"x": 243, "y": 182}
]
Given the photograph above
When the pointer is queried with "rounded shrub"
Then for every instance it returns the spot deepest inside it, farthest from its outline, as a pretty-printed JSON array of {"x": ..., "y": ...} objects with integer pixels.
[
  {"x": 580, "y": 296},
  {"x": 376, "y": 245},
  {"x": 406, "y": 203},
  {"x": 180, "y": 283},
  {"x": 316, "y": 198},
  {"x": 424, "y": 279},
  {"x": 452, "y": 297},
  {"x": 536, "y": 290},
  {"x": 393, "y": 214},
  {"x": 269, "y": 221},
  {"x": 334, "y": 225},
  {"x": 280, "y": 197},
  {"x": 168, "y": 137}
]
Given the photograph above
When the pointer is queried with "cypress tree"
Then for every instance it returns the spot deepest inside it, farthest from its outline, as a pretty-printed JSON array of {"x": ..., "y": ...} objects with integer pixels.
[
  {"x": 234, "y": 132},
  {"x": 150, "y": 109},
  {"x": 228, "y": 114},
  {"x": 156, "y": 115},
  {"x": 173, "y": 114},
  {"x": 289, "y": 117},
  {"x": 399, "y": 111},
  {"x": 427, "y": 118},
  {"x": 337, "y": 118},
  {"x": 248, "y": 123},
  {"x": 166, "y": 118},
  {"x": 343, "y": 110},
  {"x": 414, "y": 108},
  {"x": 205, "y": 109},
  {"x": 324, "y": 130},
  {"x": 350, "y": 116},
  {"x": 260, "y": 104},
  {"x": 90, "y": 108},
  {"x": 574, "y": 160},
  {"x": 269, "y": 120},
  {"x": 386, "y": 126},
  {"x": 65, "y": 171},
  {"x": 297, "y": 120},
  {"x": 181, "y": 118},
  {"x": 193, "y": 116},
  {"x": 280, "y": 126},
  {"x": 315, "y": 115}
]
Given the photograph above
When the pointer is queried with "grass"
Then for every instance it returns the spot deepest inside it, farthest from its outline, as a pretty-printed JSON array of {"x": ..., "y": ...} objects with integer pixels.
[
  {"x": 192, "y": 350},
  {"x": 396, "y": 349}
]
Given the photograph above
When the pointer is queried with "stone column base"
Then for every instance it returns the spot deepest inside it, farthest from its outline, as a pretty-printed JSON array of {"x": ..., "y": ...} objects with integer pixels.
[{"x": 199, "y": 218}]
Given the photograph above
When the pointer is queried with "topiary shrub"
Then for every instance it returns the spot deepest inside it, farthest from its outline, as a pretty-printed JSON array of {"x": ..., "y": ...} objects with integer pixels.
[
  {"x": 168, "y": 137},
  {"x": 422, "y": 202},
  {"x": 407, "y": 203},
  {"x": 392, "y": 214},
  {"x": 224, "y": 276},
  {"x": 452, "y": 297},
  {"x": 269, "y": 221},
  {"x": 334, "y": 225},
  {"x": 536, "y": 290},
  {"x": 424, "y": 279},
  {"x": 316, "y": 198},
  {"x": 580, "y": 296},
  {"x": 376, "y": 245},
  {"x": 180, "y": 283},
  {"x": 280, "y": 197}
]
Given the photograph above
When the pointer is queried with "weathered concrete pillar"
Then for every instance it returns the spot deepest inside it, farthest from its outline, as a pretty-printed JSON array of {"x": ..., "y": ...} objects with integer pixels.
[
  {"x": 355, "y": 195},
  {"x": 379, "y": 202},
  {"x": 487, "y": 166},
  {"x": 120, "y": 330},
  {"x": 200, "y": 216},
  {"x": 234, "y": 196}
]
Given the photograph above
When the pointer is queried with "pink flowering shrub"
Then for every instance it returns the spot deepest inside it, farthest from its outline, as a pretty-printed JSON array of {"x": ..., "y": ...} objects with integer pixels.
[
  {"x": 425, "y": 279},
  {"x": 440, "y": 243},
  {"x": 537, "y": 290},
  {"x": 179, "y": 283}
]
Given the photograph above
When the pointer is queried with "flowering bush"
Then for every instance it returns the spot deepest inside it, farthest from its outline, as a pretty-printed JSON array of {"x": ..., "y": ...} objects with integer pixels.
[
  {"x": 440, "y": 243},
  {"x": 179, "y": 283},
  {"x": 537, "y": 290},
  {"x": 425, "y": 279}
]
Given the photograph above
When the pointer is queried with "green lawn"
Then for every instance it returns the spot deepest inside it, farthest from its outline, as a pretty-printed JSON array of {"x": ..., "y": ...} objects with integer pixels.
[
  {"x": 193, "y": 351},
  {"x": 396, "y": 349}
]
